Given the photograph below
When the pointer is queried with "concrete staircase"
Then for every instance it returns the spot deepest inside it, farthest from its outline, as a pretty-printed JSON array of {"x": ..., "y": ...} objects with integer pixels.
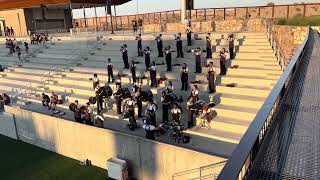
[{"x": 71, "y": 62}]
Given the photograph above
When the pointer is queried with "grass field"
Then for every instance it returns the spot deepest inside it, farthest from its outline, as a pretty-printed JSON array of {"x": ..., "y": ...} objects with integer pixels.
[
  {"x": 22, "y": 161},
  {"x": 300, "y": 21}
]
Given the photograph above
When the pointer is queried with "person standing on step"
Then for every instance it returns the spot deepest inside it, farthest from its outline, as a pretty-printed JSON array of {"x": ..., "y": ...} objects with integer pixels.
[
  {"x": 153, "y": 74},
  {"x": 26, "y": 46},
  {"x": 211, "y": 78},
  {"x": 231, "y": 46},
  {"x": 176, "y": 113},
  {"x": 184, "y": 77},
  {"x": 168, "y": 51},
  {"x": 159, "y": 45},
  {"x": 223, "y": 61},
  {"x": 147, "y": 53},
  {"x": 179, "y": 46},
  {"x": 130, "y": 107},
  {"x": 190, "y": 108},
  {"x": 110, "y": 71},
  {"x": 138, "y": 97},
  {"x": 189, "y": 34},
  {"x": 118, "y": 98},
  {"x": 99, "y": 98},
  {"x": 139, "y": 39},
  {"x": 151, "y": 112},
  {"x": 18, "y": 50},
  {"x": 165, "y": 107},
  {"x": 197, "y": 54},
  {"x": 124, "y": 51},
  {"x": 208, "y": 46},
  {"x": 133, "y": 71},
  {"x": 95, "y": 81},
  {"x": 194, "y": 93}
]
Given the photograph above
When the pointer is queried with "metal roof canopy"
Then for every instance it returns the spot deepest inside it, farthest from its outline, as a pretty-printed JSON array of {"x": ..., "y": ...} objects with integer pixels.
[{"x": 18, "y": 4}]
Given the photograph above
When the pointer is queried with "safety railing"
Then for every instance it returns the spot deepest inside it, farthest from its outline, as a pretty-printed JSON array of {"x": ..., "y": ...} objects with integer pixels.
[
  {"x": 202, "y": 173},
  {"x": 282, "y": 60},
  {"x": 242, "y": 158}
]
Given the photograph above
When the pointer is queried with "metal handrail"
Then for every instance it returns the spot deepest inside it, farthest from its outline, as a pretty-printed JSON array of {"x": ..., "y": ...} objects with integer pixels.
[
  {"x": 242, "y": 158},
  {"x": 278, "y": 51},
  {"x": 199, "y": 171}
]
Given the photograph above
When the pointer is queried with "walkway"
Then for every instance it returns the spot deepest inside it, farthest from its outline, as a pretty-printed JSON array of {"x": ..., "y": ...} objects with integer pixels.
[{"x": 293, "y": 144}]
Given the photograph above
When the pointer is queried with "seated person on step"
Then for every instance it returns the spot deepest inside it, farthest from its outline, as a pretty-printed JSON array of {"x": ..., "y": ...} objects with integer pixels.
[
  {"x": 53, "y": 101},
  {"x": 45, "y": 100}
]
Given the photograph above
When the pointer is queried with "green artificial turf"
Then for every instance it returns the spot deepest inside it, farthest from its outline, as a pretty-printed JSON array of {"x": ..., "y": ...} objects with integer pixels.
[{"x": 22, "y": 161}]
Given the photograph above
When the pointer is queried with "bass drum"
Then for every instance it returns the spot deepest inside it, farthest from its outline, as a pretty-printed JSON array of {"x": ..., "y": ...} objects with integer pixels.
[
  {"x": 199, "y": 105},
  {"x": 124, "y": 93},
  {"x": 105, "y": 91},
  {"x": 72, "y": 107},
  {"x": 146, "y": 95},
  {"x": 92, "y": 100},
  {"x": 171, "y": 98}
]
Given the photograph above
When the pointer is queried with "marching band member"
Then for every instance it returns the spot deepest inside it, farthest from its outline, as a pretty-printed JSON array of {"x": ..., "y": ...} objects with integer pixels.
[
  {"x": 165, "y": 107},
  {"x": 138, "y": 97},
  {"x": 169, "y": 87},
  {"x": 168, "y": 51},
  {"x": 231, "y": 40},
  {"x": 184, "y": 77},
  {"x": 189, "y": 32},
  {"x": 130, "y": 107},
  {"x": 159, "y": 45},
  {"x": 124, "y": 51},
  {"x": 110, "y": 71},
  {"x": 151, "y": 112},
  {"x": 197, "y": 54},
  {"x": 208, "y": 46},
  {"x": 95, "y": 81},
  {"x": 139, "y": 39},
  {"x": 147, "y": 53},
  {"x": 211, "y": 78},
  {"x": 223, "y": 61},
  {"x": 190, "y": 104},
  {"x": 153, "y": 74},
  {"x": 176, "y": 113},
  {"x": 179, "y": 46},
  {"x": 133, "y": 71}
]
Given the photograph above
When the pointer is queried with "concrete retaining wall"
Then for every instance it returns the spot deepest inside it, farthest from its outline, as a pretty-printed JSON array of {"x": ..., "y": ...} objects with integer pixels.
[
  {"x": 7, "y": 125},
  {"x": 146, "y": 159}
]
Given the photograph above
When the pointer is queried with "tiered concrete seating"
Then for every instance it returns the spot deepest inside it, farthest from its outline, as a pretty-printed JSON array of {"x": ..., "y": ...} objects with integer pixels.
[{"x": 73, "y": 61}]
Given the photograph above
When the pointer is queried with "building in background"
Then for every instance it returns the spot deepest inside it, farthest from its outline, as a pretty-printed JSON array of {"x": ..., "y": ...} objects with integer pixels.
[{"x": 30, "y": 16}]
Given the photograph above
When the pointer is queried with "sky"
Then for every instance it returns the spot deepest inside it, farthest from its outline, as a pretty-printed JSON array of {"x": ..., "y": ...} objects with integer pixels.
[{"x": 145, "y": 6}]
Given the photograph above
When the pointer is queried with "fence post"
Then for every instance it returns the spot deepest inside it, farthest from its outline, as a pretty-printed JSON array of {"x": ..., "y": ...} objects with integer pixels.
[
  {"x": 205, "y": 14},
  {"x": 173, "y": 17},
  {"x": 235, "y": 12},
  {"x": 288, "y": 11},
  {"x": 214, "y": 14},
  {"x": 224, "y": 13},
  {"x": 246, "y": 12},
  {"x": 272, "y": 12},
  {"x": 304, "y": 10},
  {"x": 259, "y": 12},
  {"x": 196, "y": 14}
]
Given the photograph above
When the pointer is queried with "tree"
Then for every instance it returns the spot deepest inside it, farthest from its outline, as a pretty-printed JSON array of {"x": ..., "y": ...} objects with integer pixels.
[{"x": 271, "y": 4}]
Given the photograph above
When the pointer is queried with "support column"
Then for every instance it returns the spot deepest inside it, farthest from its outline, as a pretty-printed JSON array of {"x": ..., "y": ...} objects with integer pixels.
[{"x": 183, "y": 10}]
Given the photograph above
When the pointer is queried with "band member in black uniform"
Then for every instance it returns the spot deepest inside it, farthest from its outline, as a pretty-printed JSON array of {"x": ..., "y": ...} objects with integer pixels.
[
  {"x": 208, "y": 46},
  {"x": 95, "y": 81},
  {"x": 137, "y": 84},
  {"x": 195, "y": 93},
  {"x": 151, "y": 112},
  {"x": 165, "y": 107},
  {"x": 118, "y": 80},
  {"x": 168, "y": 51},
  {"x": 179, "y": 46},
  {"x": 110, "y": 71},
  {"x": 130, "y": 108},
  {"x": 231, "y": 46},
  {"x": 189, "y": 32},
  {"x": 190, "y": 104},
  {"x": 223, "y": 61},
  {"x": 147, "y": 53},
  {"x": 169, "y": 87},
  {"x": 159, "y": 45},
  {"x": 124, "y": 51},
  {"x": 133, "y": 71},
  {"x": 211, "y": 78},
  {"x": 118, "y": 99},
  {"x": 138, "y": 97},
  {"x": 176, "y": 113},
  {"x": 99, "y": 98},
  {"x": 184, "y": 77},
  {"x": 139, "y": 39},
  {"x": 197, "y": 54},
  {"x": 153, "y": 74}
]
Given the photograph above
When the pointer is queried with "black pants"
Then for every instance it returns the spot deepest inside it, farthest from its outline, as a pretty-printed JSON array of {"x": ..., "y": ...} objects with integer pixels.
[
  {"x": 110, "y": 76},
  {"x": 99, "y": 104},
  {"x": 45, "y": 103},
  {"x": 190, "y": 118},
  {"x": 184, "y": 85},
  {"x": 168, "y": 62},
  {"x": 179, "y": 51},
  {"x": 223, "y": 70},
  {"x": 139, "y": 104},
  {"x": 125, "y": 61},
  {"x": 132, "y": 119},
  {"x": 140, "y": 51},
  {"x": 198, "y": 65},
  {"x": 133, "y": 73},
  {"x": 78, "y": 119},
  {"x": 118, "y": 102},
  {"x": 160, "y": 52},
  {"x": 231, "y": 51},
  {"x": 165, "y": 112},
  {"x": 189, "y": 39},
  {"x": 212, "y": 86},
  {"x": 209, "y": 53},
  {"x": 147, "y": 61},
  {"x": 153, "y": 77}
]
